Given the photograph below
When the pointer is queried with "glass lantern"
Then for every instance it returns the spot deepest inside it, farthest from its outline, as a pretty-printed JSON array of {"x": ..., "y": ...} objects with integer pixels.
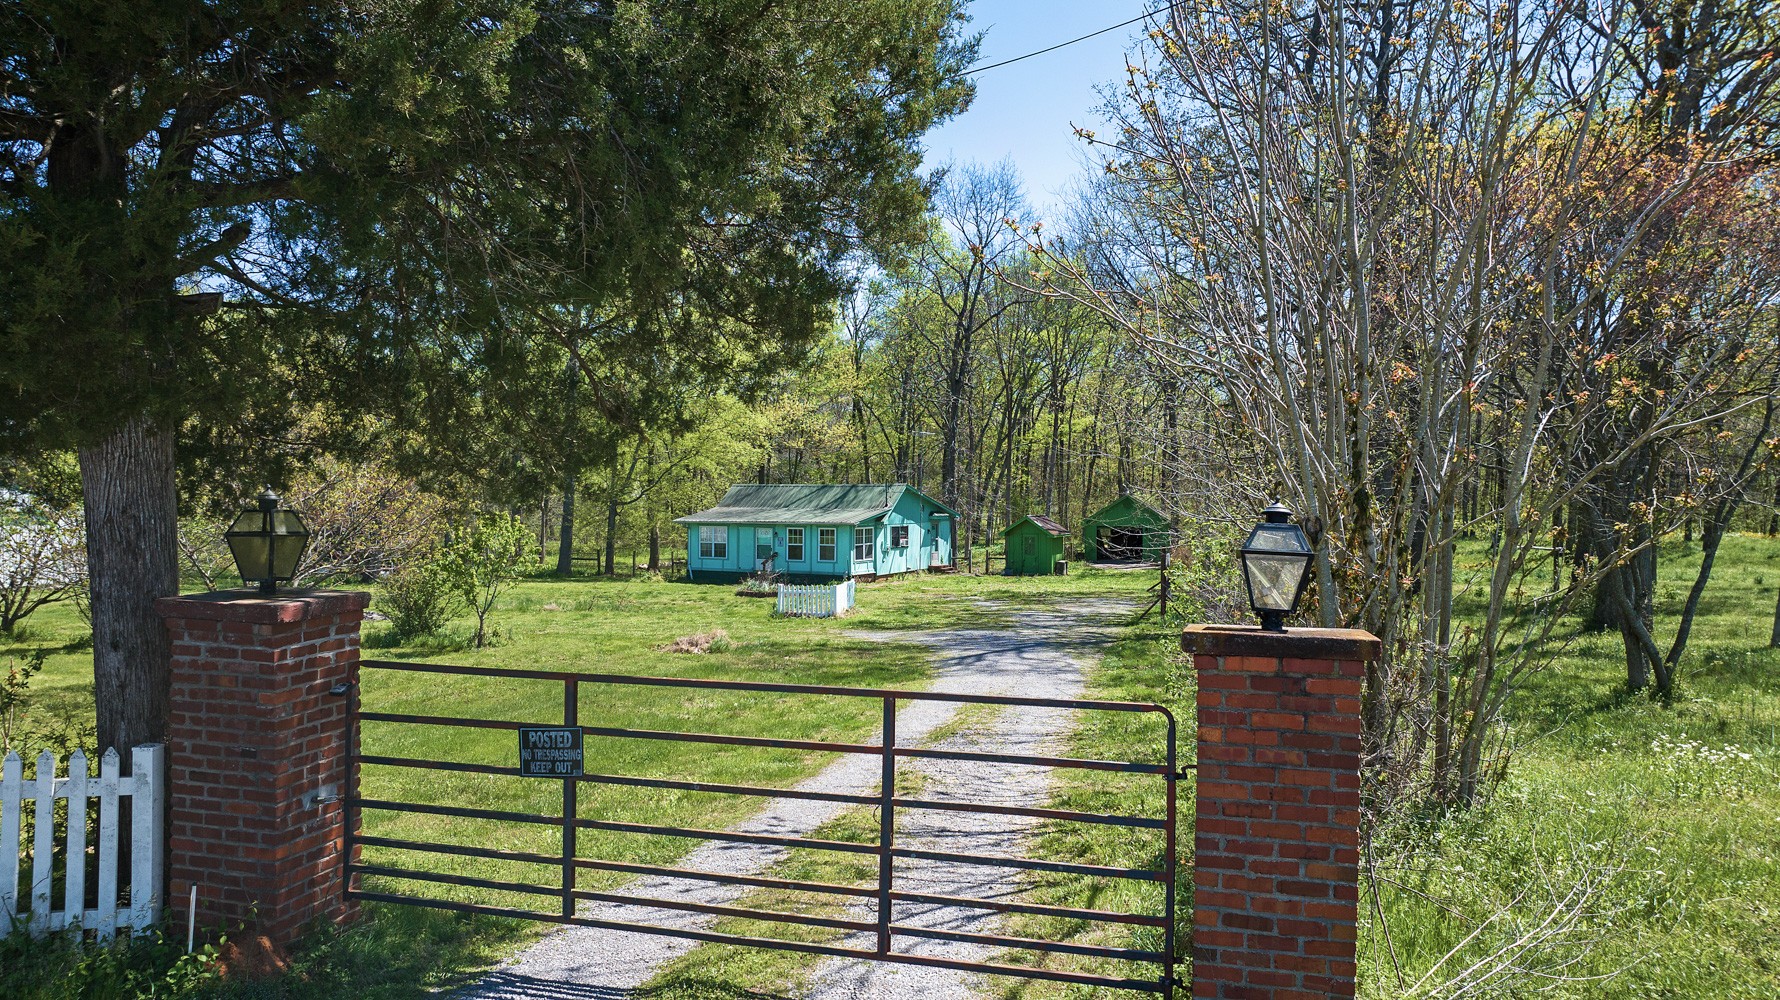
[
  {"x": 267, "y": 543},
  {"x": 1275, "y": 567}
]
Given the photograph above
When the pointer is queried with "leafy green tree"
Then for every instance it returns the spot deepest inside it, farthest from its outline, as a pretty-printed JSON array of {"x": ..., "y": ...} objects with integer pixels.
[
  {"x": 481, "y": 560},
  {"x": 213, "y": 212}
]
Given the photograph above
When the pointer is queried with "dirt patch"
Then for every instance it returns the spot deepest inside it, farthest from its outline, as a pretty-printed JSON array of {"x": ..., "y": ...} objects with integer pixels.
[{"x": 715, "y": 641}]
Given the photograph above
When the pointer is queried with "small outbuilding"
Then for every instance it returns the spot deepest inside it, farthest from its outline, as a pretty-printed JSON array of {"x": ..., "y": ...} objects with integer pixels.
[
  {"x": 1034, "y": 545},
  {"x": 1126, "y": 530}
]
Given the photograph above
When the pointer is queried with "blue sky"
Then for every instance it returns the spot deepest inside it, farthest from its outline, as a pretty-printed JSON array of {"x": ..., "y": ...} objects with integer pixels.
[{"x": 1026, "y": 111}]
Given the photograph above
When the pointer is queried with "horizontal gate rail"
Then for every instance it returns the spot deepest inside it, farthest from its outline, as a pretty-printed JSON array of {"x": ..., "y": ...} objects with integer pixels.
[
  {"x": 566, "y": 896},
  {"x": 1136, "y": 822},
  {"x": 627, "y": 867},
  {"x": 587, "y": 895},
  {"x": 774, "y": 687},
  {"x": 624, "y": 779},
  {"x": 1037, "y": 909},
  {"x": 1029, "y": 944},
  {"x": 1031, "y": 865},
  {"x": 809, "y": 948},
  {"x": 615, "y": 826}
]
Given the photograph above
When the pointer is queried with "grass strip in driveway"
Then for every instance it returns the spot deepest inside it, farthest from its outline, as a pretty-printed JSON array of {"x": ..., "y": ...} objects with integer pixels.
[{"x": 1144, "y": 665}]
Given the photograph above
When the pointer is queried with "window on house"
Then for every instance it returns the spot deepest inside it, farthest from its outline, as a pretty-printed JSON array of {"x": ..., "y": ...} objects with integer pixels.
[
  {"x": 825, "y": 544},
  {"x": 899, "y": 536},
  {"x": 763, "y": 544},
  {"x": 713, "y": 542},
  {"x": 794, "y": 545},
  {"x": 863, "y": 543}
]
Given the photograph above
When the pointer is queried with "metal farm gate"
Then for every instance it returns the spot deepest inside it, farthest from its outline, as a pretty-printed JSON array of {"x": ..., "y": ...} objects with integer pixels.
[{"x": 552, "y": 750}]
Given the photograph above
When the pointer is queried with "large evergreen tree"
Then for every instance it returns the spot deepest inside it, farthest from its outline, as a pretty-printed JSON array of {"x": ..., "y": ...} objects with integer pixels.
[{"x": 212, "y": 209}]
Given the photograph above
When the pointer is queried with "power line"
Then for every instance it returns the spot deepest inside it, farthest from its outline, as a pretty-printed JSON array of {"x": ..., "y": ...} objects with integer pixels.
[{"x": 1146, "y": 15}]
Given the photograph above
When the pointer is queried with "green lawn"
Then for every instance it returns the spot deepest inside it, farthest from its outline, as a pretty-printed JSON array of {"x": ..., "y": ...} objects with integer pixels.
[
  {"x": 1669, "y": 816},
  {"x": 606, "y": 626},
  {"x": 1665, "y": 819},
  {"x": 1660, "y": 825}
]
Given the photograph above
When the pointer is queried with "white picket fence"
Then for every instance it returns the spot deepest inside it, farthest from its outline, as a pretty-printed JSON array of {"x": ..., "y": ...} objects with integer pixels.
[
  {"x": 817, "y": 600},
  {"x": 31, "y": 905}
]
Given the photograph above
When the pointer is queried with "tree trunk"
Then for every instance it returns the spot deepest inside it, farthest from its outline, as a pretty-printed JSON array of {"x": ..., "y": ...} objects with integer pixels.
[
  {"x": 565, "y": 548},
  {"x": 654, "y": 548},
  {"x": 132, "y": 528},
  {"x": 1774, "y": 638},
  {"x": 611, "y": 537}
]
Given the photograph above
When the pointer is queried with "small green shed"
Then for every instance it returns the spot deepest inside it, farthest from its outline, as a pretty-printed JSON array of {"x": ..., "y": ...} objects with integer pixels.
[
  {"x": 1034, "y": 545},
  {"x": 1126, "y": 530}
]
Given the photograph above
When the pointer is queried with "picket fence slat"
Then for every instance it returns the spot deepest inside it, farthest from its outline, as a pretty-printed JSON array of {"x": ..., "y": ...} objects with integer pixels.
[
  {"x": 106, "y": 923},
  {"x": 43, "y": 840},
  {"x": 74, "y": 896},
  {"x": 32, "y": 907},
  {"x": 820, "y": 600},
  {"x": 12, "y": 789},
  {"x": 148, "y": 805}
]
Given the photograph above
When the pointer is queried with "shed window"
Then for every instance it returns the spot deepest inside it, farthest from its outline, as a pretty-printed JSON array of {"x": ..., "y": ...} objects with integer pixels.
[
  {"x": 713, "y": 542},
  {"x": 899, "y": 536},
  {"x": 794, "y": 545},
  {"x": 863, "y": 539}
]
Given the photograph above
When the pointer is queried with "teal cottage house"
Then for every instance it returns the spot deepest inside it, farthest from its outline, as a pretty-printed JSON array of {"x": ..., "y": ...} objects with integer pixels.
[{"x": 814, "y": 532}]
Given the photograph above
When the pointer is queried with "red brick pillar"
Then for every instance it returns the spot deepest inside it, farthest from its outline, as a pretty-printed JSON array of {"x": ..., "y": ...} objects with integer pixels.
[
  {"x": 257, "y": 756},
  {"x": 1277, "y": 836}
]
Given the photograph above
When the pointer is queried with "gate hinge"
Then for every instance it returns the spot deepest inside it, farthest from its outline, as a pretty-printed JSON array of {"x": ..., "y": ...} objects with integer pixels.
[{"x": 341, "y": 689}]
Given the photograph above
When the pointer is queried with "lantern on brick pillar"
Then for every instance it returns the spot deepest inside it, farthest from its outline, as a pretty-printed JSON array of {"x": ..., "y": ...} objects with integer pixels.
[
  {"x": 267, "y": 543},
  {"x": 1275, "y": 567}
]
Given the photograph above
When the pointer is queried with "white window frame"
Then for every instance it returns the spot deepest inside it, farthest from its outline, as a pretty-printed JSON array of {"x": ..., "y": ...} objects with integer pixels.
[
  {"x": 899, "y": 536},
  {"x": 865, "y": 544},
  {"x": 763, "y": 543},
  {"x": 827, "y": 544},
  {"x": 794, "y": 545},
  {"x": 713, "y": 541}
]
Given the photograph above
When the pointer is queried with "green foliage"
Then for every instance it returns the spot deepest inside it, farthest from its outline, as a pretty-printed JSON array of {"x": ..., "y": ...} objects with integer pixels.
[
  {"x": 15, "y": 693},
  {"x": 480, "y": 561},
  {"x": 419, "y": 600},
  {"x": 62, "y": 968},
  {"x": 356, "y": 173}
]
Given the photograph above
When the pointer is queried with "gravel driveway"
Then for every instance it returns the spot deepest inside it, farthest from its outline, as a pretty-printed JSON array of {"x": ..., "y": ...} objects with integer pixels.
[{"x": 1040, "y": 655}]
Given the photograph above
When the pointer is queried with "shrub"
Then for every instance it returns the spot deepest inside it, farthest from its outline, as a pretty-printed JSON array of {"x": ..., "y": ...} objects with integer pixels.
[
  {"x": 419, "y": 601},
  {"x": 481, "y": 560}
]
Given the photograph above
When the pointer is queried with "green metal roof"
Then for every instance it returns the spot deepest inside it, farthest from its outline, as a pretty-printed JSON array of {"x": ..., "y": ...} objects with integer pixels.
[
  {"x": 788, "y": 503},
  {"x": 1136, "y": 507},
  {"x": 1045, "y": 524}
]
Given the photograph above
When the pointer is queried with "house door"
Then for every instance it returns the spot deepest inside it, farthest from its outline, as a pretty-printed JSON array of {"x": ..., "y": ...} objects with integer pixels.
[
  {"x": 940, "y": 530},
  {"x": 764, "y": 555}
]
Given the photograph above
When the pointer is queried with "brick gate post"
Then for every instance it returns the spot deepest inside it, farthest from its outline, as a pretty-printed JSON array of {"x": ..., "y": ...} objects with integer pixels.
[
  {"x": 258, "y": 756},
  {"x": 1277, "y": 835}
]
